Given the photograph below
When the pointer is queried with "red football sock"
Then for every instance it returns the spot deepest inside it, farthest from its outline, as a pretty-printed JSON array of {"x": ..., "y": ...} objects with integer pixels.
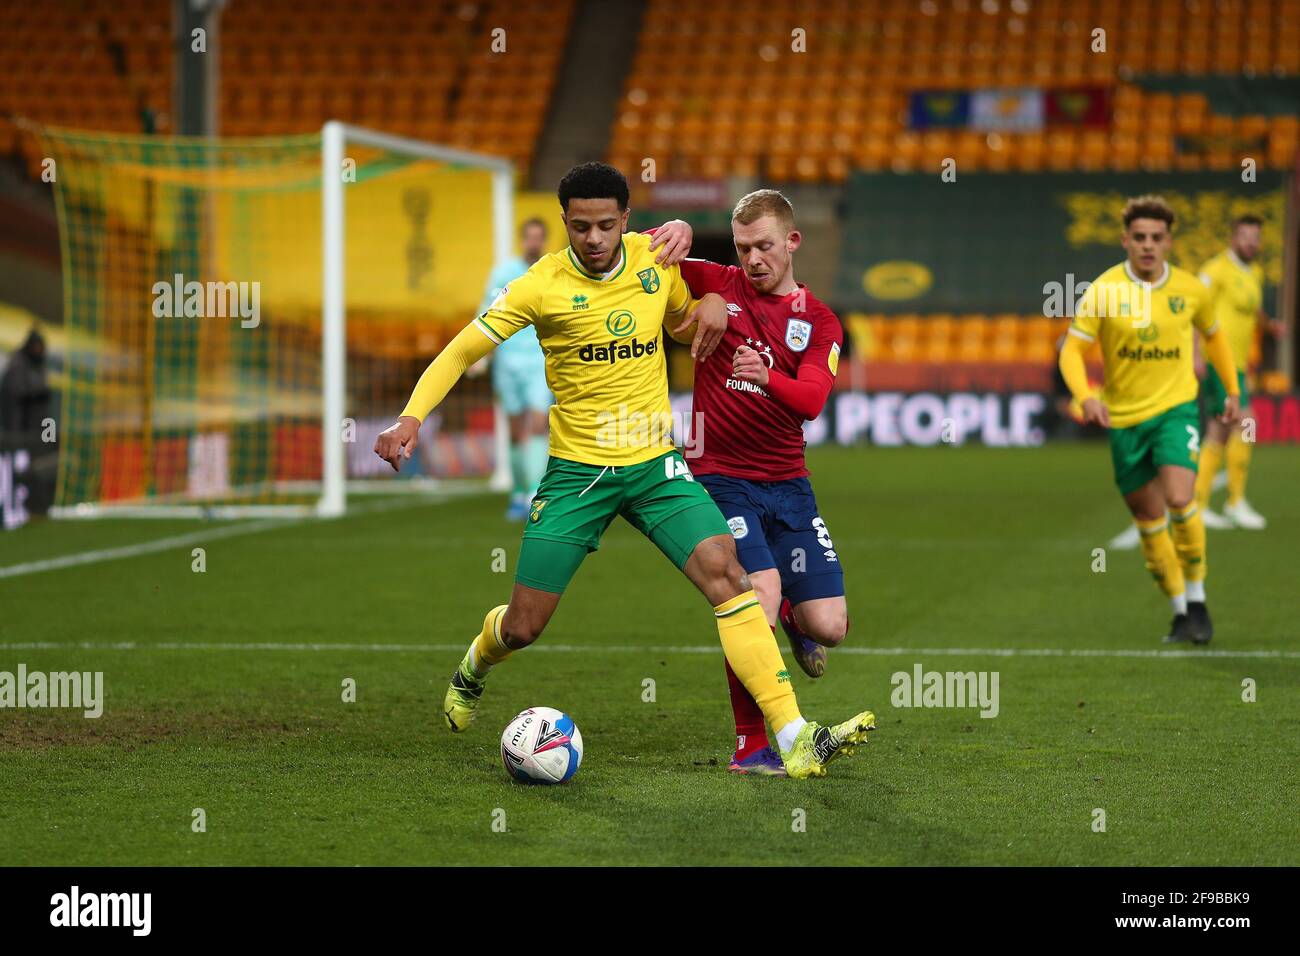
[{"x": 751, "y": 731}]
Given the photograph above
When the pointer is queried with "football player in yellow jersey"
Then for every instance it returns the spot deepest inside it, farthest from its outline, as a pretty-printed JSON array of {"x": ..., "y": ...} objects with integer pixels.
[
  {"x": 599, "y": 308},
  {"x": 1143, "y": 311},
  {"x": 1236, "y": 284}
]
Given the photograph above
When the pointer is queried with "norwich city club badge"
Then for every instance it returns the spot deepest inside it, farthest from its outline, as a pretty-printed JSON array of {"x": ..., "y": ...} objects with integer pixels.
[
  {"x": 649, "y": 279},
  {"x": 1176, "y": 303},
  {"x": 537, "y": 510}
]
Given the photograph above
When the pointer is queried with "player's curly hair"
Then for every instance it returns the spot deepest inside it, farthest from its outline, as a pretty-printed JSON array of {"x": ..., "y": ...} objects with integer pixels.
[
  {"x": 1148, "y": 207},
  {"x": 593, "y": 181}
]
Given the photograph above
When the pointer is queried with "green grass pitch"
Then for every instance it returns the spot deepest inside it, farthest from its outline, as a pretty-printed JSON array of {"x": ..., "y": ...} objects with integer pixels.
[{"x": 950, "y": 554}]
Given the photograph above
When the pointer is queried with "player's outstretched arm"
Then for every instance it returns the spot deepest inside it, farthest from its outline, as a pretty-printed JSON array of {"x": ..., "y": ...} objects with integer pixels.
[
  {"x": 703, "y": 326},
  {"x": 1219, "y": 354},
  {"x": 1075, "y": 372},
  {"x": 398, "y": 440}
]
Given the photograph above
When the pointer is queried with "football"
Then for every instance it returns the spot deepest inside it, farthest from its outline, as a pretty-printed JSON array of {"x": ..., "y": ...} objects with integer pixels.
[{"x": 541, "y": 745}]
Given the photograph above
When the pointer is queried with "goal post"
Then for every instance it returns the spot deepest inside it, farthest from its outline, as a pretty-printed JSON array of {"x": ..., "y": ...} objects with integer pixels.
[
  {"x": 243, "y": 315},
  {"x": 335, "y": 137}
]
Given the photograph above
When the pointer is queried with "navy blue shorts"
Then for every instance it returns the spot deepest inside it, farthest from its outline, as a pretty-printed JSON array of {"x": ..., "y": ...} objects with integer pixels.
[{"x": 776, "y": 525}]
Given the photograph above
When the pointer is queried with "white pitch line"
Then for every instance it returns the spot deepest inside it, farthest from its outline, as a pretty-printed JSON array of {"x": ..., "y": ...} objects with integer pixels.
[
  {"x": 642, "y": 649},
  {"x": 208, "y": 534},
  {"x": 144, "y": 547}
]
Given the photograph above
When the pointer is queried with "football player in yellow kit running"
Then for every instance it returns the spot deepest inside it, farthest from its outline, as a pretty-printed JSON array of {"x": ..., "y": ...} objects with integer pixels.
[
  {"x": 599, "y": 308},
  {"x": 1143, "y": 312},
  {"x": 1236, "y": 284}
]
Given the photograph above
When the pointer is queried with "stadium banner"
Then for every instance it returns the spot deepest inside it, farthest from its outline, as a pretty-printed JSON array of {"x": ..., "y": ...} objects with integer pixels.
[
  {"x": 1277, "y": 419},
  {"x": 1086, "y": 106},
  {"x": 688, "y": 194},
  {"x": 997, "y": 243},
  {"x": 931, "y": 109},
  {"x": 1014, "y": 110},
  {"x": 998, "y": 419}
]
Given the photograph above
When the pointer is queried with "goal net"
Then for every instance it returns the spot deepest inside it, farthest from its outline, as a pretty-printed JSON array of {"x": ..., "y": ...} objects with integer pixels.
[{"x": 244, "y": 316}]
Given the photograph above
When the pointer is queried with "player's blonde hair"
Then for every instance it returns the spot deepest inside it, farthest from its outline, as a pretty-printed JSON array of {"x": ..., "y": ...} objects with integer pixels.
[
  {"x": 1148, "y": 207},
  {"x": 764, "y": 202}
]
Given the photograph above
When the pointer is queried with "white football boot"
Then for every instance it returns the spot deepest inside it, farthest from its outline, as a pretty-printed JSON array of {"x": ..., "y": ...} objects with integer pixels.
[
  {"x": 1126, "y": 540},
  {"x": 1244, "y": 516},
  {"x": 1215, "y": 521}
]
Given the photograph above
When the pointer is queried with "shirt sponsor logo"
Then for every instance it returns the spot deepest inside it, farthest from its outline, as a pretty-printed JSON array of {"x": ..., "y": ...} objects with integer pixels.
[
  {"x": 621, "y": 323},
  {"x": 615, "y": 351},
  {"x": 797, "y": 333},
  {"x": 1149, "y": 355},
  {"x": 739, "y": 385}
]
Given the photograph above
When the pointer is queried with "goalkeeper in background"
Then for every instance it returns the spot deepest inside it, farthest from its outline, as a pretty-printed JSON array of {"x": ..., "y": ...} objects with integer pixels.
[{"x": 519, "y": 379}]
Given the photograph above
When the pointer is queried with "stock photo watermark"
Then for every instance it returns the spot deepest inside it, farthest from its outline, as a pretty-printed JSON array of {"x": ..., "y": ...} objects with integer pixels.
[{"x": 76, "y": 690}]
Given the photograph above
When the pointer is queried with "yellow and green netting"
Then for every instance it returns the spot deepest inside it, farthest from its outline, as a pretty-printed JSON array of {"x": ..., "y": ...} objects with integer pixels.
[{"x": 192, "y": 274}]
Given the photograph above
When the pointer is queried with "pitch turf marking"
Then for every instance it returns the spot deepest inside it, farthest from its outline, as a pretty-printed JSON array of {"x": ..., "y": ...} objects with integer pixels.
[
  {"x": 144, "y": 547},
  {"x": 210, "y": 534},
  {"x": 352, "y": 648}
]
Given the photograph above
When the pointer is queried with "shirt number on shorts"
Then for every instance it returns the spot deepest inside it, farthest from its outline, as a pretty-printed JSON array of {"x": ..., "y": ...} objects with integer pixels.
[
  {"x": 676, "y": 468},
  {"x": 1193, "y": 439}
]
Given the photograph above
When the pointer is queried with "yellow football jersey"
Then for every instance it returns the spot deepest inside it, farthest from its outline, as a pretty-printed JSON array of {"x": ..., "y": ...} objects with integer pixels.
[
  {"x": 603, "y": 341},
  {"x": 1145, "y": 330},
  {"x": 1237, "y": 291}
]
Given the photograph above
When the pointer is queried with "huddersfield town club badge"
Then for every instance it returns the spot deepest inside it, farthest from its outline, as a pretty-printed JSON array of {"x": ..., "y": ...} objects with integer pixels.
[{"x": 796, "y": 334}]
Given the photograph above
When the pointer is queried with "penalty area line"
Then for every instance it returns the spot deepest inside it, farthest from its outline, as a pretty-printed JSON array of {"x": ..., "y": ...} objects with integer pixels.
[{"x": 355, "y": 648}]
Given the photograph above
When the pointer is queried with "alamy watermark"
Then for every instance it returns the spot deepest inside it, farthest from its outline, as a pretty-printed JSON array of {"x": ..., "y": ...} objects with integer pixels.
[
  {"x": 75, "y": 908},
  {"x": 1116, "y": 300},
  {"x": 80, "y": 690},
  {"x": 623, "y": 428},
  {"x": 200, "y": 300},
  {"x": 922, "y": 688}
]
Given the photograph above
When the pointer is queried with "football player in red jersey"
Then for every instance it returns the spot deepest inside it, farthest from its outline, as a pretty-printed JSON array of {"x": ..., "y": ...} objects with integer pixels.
[{"x": 773, "y": 370}]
